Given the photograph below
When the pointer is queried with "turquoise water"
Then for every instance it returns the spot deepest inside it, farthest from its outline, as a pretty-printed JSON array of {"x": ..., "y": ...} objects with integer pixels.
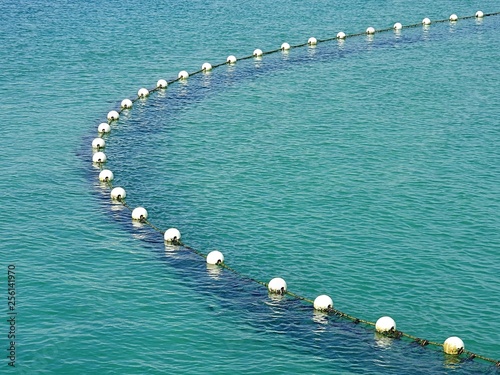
[{"x": 368, "y": 171}]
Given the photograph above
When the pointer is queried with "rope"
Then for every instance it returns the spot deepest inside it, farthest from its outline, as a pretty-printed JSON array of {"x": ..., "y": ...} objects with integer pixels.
[{"x": 396, "y": 334}]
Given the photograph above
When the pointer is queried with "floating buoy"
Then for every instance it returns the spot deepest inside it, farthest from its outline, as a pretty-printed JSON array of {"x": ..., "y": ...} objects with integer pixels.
[
  {"x": 341, "y": 35},
  {"x": 277, "y": 285},
  {"x": 453, "y": 345},
  {"x": 479, "y": 14},
  {"x": 231, "y": 59},
  {"x": 398, "y": 26},
  {"x": 385, "y": 324},
  {"x": 172, "y": 235},
  {"x": 426, "y": 21},
  {"x": 113, "y": 115},
  {"x": 98, "y": 143},
  {"x": 183, "y": 74},
  {"x": 453, "y": 17},
  {"x": 126, "y": 104},
  {"x": 206, "y": 67},
  {"x": 118, "y": 194},
  {"x": 106, "y": 175},
  {"x": 142, "y": 93},
  {"x": 139, "y": 213},
  {"x": 99, "y": 157},
  {"x": 370, "y": 30},
  {"x": 285, "y": 46},
  {"x": 104, "y": 127},
  {"x": 257, "y": 53},
  {"x": 312, "y": 41},
  {"x": 215, "y": 257},
  {"x": 161, "y": 84},
  {"x": 323, "y": 303}
]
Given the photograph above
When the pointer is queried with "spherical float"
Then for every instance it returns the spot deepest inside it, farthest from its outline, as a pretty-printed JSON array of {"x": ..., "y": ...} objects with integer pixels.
[
  {"x": 257, "y": 53},
  {"x": 277, "y": 285},
  {"x": 126, "y": 104},
  {"x": 98, "y": 143},
  {"x": 215, "y": 257},
  {"x": 99, "y": 157},
  {"x": 453, "y": 345},
  {"x": 106, "y": 175},
  {"x": 161, "y": 84},
  {"x": 323, "y": 303},
  {"x": 118, "y": 193},
  {"x": 426, "y": 21},
  {"x": 341, "y": 35},
  {"x": 453, "y": 17},
  {"x": 183, "y": 74},
  {"x": 104, "y": 127},
  {"x": 312, "y": 41},
  {"x": 479, "y": 14},
  {"x": 370, "y": 30},
  {"x": 285, "y": 46},
  {"x": 139, "y": 213},
  {"x": 142, "y": 93},
  {"x": 398, "y": 26},
  {"x": 206, "y": 67},
  {"x": 231, "y": 59},
  {"x": 385, "y": 324},
  {"x": 172, "y": 235},
  {"x": 113, "y": 115}
]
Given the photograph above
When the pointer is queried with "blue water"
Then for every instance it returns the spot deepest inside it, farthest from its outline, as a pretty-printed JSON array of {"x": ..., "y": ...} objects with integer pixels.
[{"x": 368, "y": 170}]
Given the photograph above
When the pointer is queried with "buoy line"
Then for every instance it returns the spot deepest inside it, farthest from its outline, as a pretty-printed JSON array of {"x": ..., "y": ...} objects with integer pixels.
[{"x": 384, "y": 325}]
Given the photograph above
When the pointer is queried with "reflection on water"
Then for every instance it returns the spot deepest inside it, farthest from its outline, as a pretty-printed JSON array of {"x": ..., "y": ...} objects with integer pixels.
[
  {"x": 382, "y": 341},
  {"x": 452, "y": 361}
]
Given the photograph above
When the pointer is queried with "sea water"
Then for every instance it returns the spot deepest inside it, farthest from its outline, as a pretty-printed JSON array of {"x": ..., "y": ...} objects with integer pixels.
[{"x": 367, "y": 170}]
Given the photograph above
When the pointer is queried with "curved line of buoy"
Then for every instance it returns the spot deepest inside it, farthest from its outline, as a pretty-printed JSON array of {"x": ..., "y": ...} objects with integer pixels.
[{"x": 323, "y": 303}]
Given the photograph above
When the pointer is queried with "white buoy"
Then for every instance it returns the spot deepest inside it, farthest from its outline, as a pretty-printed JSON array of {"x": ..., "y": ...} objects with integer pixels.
[
  {"x": 370, "y": 30},
  {"x": 139, "y": 213},
  {"x": 215, "y": 257},
  {"x": 453, "y": 345},
  {"x": 285, "y": 46},
  {"x": 385, "y": 324},
  {"x": 426, "y": 21},
  {"x": 126, "y": 104},
  {"x": 206, "y": 67},
  {"x": 113, "y": 115},
  {"x": 231, "y": 59},
  {"x": 312, "y": 41},
  {"x": 106, "y": 175},
  {"x": 162, "y": 84},
  {"x": 341, "y": 35},
  {"x": 98, "y": 143},
  {"x": 277, "y": 285},
  {"x": 323, "y": 303},
  {"x": 453, "y": 17},
  {"x": 142, "y": 93},
  {"x": 398, "y": 26},
  {"x": 479, "y": 14},
  {"x": 172, "y": 235},
  {"x": 118, "y": 193},
  {"x": 99, "y": 157},
  {"x": 103, "y": 128},
  {"x": 257, "y": 53},
  {"x": 183, "y": 74}
]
